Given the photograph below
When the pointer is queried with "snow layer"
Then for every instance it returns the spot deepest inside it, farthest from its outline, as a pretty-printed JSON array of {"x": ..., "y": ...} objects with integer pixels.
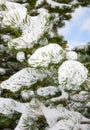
[
  {"x": 60, "y": 118},
  {"x": 55, "y": 4},
  {"x": 88, "y": 104},
  {"x": 43, "y": 56},
  {"x": 30, "y": 116},
  {"x": 72, "y": 74},
  {"x": 2, "y": 2},
  {"x": 39, "y": 2},
  {"x": 57, "y": 118},
  {"x": 9, "y": 106},
  {"x": 47, "y": 91},
  {"x": 25, "y": 77},
  {"x": 32, "y": 31},
  {"x": 13, "y": 15},
  {"x": 71, "y": 55}
]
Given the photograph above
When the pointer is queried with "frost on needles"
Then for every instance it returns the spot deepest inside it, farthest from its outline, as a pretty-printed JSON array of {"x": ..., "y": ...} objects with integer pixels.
[{"x": 50, "y": 91}]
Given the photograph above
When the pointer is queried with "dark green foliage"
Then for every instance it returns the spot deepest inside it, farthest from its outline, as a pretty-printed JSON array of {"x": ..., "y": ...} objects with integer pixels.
[
  {"x": 14, "y": 32},
  {"x": 84, "y": 3},
  {"x": 84, "y": 54},
  {"x": 8, "y": 121}
]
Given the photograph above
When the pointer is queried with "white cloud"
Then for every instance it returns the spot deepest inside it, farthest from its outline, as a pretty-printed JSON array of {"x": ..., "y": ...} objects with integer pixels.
[
  {"x": 86, "y": 25},
  {"x": 65, "y": 30},
  {"x": 77, "y": 15},
  {"x": 74, "y": 30}
]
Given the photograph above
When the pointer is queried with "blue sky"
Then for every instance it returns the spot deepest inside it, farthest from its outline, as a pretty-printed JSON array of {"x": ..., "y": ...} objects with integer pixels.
[{"x": 77, "y": 30}]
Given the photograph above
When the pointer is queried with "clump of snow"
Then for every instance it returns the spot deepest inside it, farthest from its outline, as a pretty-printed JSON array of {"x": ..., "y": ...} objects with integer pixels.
[
  {"x": 57, "y": 117},
  {"x": 20, "y": 56},
  {"x": 39, "y": 2},
  {"x": 26, "y": 94},
  {"x": 55, "y": 4},
  {"x": 9, "y": 106},
  {"x": 2, "y": 2},
  {"x": 6, "y": 38},
  {"x": 43, "y": 56},
  {"x": 42, "y": 10},
  {"x": 72, "y": 74},
  {"x": 32, "y": 31},
  {"x": 31, "y": 113},
  {"x": 81, "y": 97},
  {"x": 63, "y": 97},
  {"x": 2, "y": 71},
  {"x": 88, "y": 104},
  {"x": 60, "y": 118},
  {"x": 71, "y": 55},
  {"x": 32, "y": 27},
  {"x": 47, "y": 91},
  {"x": 13, "y": 15},
  {"x": 25, "y": 77}
]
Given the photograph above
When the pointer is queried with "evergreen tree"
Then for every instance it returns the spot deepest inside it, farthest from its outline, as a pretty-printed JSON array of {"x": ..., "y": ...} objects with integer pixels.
[
  {"x": 43, "y": 86},
  {"x": 84, "y": 54}
]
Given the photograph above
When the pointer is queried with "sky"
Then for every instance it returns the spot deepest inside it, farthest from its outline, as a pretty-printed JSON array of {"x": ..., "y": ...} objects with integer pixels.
[{"x": 77, "y": 30}]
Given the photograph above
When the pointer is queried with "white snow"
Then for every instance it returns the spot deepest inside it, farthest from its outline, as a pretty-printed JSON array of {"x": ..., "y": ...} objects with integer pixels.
[
  {"x": 2, "y": 71},
  {"x": 55, "y": 4},
  {"x": 26, "y": 94},
  {"x": 32, "y": 31},
  {"x": 32, "y": 27},
  {"x": 13, "y": 15},
  {"x": 39, "y": 2},
  {"x": 2, "y": 2},
  {"x": 59, "y": 118},
  {"x": 42, "y": 57},
  {"x": 47, "y": 91},
  {"x": 72, "y": 74},
  {"x": 9, "y": 106},
  {"x": 6, "y": 38},
  {"x": 71, "y": 55},
  {"x": 24, "y": 78},
  {"x": 88, "y": 104},
  {"x": 20, "y": 56},
  {"x": 63, "y": 97}
]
